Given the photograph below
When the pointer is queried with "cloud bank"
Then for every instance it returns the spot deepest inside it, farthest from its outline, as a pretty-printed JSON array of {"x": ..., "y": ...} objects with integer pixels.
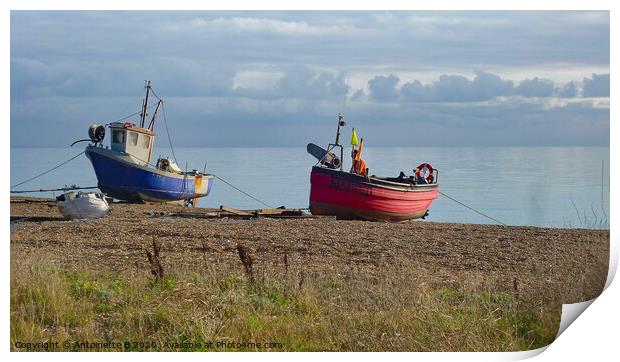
[{"x": 281, "y": 78}]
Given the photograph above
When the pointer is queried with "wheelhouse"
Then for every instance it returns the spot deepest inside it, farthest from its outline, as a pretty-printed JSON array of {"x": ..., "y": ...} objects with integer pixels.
[{"x": 135, "y": 141}]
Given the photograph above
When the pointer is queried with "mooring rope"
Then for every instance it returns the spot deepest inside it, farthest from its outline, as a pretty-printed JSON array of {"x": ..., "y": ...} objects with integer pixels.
[
  {"x": 48, "y": 171},
  {"x": 243, "y": 192},
  {"x": 472, "y": 209},
  {"x": 58, "y": 189}
]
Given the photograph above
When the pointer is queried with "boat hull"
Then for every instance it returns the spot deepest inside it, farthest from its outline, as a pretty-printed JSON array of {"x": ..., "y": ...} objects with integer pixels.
[
  {"x": 121, "y": 179},
  {"x": 349, "y": 196}
]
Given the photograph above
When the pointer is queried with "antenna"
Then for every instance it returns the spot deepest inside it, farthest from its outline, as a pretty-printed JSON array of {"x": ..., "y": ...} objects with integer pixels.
[
  {"x": 152, "y": 124},
  {"x": 341, "y": 123},
  {"x": 147, "y": 85}
]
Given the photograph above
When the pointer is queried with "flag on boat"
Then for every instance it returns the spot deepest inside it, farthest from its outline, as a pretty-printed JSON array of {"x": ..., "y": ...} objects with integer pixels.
[
  {"x": 354, "y": 141},
  {"x": 358, "y": 156}
]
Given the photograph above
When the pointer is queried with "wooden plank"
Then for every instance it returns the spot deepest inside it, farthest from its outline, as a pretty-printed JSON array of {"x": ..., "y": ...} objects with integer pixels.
[
  {"x": 268, "y": 211},
  {"x": 292, "y": 212},
  {"x": 323, "y": 217},
  {"x": 235, "y": 211}
]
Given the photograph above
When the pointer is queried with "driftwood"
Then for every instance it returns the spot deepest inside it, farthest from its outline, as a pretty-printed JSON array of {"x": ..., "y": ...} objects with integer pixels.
[
  {"x": 229, "y": 212},
  {"x": 235, "y": 211}
]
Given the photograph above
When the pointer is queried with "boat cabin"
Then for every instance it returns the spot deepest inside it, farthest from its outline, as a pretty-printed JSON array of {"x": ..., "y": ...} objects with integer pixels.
[{"x": 135, "y": 141}]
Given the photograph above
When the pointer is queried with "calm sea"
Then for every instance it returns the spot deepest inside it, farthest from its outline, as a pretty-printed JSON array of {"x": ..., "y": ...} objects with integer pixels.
[{"x": 534, "y": 186}]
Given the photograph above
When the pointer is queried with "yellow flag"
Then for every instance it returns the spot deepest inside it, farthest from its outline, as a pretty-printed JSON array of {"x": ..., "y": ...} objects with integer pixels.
[
  {"x": 354, "y": 141},
  {"x": 359, "y": 150}
]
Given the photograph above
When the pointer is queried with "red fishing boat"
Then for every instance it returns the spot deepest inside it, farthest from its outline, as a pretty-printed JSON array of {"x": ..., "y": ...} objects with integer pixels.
[{"x": 349, "y": 195}]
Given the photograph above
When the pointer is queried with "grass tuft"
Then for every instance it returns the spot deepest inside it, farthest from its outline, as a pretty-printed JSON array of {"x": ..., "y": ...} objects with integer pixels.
[{"x": 332, "y": 312}]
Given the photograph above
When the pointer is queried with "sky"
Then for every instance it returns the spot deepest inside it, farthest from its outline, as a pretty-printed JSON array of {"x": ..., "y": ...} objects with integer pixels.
[{"x": 258, "y": 78}]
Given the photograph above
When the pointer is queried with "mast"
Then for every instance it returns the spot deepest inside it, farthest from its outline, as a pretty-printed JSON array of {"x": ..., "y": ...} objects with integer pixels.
[
  {"x": 152, "y": 123},
  {"x": 341, "y": 123},
  {"x": 147, "y": 85}
]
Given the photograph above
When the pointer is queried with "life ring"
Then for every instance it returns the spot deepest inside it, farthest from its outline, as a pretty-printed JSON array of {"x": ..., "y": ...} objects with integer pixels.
[
  {"x": 422, "y": 169},
  {"x": 128, "y": 125}
]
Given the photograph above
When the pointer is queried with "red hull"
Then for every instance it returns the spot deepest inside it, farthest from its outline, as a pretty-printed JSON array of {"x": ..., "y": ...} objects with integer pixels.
[{"x": 349, "y": 196}]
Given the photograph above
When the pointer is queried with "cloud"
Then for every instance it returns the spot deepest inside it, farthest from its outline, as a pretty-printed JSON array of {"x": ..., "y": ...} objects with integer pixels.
[
  {"x": 597, "y": 86},
  {"x": 220, "y": 72},
  {"x": 460, "y": 89},
  {"x": 483, "y": 87},
  {"x": 487, "y": 85},
  {"x": 537, "y": 87},
  {"x": 569, "y": 90},
  {"x": 457, "y": 88},
  {"x": 299, "y": 83},
  {"x": 174, "y": 76},
  {"x": 268, "y": 25},
  {"x": 358, "y": 95},
  {"x": 383, "y": 88}
]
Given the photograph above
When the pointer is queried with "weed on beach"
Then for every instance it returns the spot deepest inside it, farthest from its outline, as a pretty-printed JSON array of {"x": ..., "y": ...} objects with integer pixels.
[{"x": 219, "y": 310}]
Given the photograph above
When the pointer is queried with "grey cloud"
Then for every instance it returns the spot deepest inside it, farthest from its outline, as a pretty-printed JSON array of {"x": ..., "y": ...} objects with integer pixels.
[
  {"x": 358, "y": 95},
  {"x": 456, "y": 88},
  {"x": 569, "y": 90},
  {"x": 460, "y": 89},
  {"x": 537, "y": 87},
  {"x": 597, "y": 86},
  {"x": 175, "y": 76},
  {"x": 417, "y": 92},
  {"x": 71, "y": 68},
  {"x": 302, "y": 82},
  {"x": 383, "y": 88},
  {"x": 469, "y": 39},
  {"x": 486, "y": 86}
]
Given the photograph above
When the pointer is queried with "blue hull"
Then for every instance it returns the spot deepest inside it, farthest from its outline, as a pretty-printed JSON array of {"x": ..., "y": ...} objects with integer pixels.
[{"x": 135, "y": 183}]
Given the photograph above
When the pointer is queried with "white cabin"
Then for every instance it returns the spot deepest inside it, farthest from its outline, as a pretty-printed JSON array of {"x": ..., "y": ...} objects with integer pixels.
[{"x": 135, "y": 141}]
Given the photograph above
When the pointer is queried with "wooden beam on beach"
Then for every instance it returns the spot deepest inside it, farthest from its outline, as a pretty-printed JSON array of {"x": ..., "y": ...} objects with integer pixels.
[{"x": 235, "y": 211}]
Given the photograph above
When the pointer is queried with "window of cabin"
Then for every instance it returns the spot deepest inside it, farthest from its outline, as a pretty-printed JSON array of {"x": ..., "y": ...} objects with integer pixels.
[
  {"x": 133, "y": 138},
  {"x": 118, "y": 136},
  {"x": 145, "y": 141}
]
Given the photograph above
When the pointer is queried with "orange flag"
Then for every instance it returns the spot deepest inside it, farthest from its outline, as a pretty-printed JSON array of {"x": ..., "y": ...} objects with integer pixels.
[{"x": 359, "y": 151}]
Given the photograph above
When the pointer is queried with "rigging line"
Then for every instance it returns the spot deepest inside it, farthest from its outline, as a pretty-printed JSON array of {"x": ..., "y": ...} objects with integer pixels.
[
  {"x": 155, "y": 94},
  {"x": 243, "y": 192},
  {"x": 133, "y": 114},
  {"x": 50, "y": 190},
  {"x": 474, "y": 210},
  {"x": 163, "y": 109},
  {"x": 48, "y": 171}
]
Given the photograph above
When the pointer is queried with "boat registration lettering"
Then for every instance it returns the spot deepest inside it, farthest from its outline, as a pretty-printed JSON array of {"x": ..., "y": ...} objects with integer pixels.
[
  {"x": 339, "y": 184},
  {"x": 346, "y": 186}
]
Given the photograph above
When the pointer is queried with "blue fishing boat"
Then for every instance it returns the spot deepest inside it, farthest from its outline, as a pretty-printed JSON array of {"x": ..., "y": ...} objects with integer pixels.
[{"x": 124, "y": 170}]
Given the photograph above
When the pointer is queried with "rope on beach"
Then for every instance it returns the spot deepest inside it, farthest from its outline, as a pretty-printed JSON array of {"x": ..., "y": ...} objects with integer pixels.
[
  {"x": 243, "y": 192},
  {"x": 48, "y": 171},
  {"x": 472, "y": 209},
  {"x": 58, "y": 189}
]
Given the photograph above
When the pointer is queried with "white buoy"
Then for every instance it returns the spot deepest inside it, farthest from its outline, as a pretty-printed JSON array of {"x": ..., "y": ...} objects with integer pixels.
[{"x": 83, "y": 205}]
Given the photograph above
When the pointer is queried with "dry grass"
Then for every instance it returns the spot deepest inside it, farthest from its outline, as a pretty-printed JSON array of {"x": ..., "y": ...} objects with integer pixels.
[
  {"x": 317, "y": 284},
  {"x": 349, "y": 311}
]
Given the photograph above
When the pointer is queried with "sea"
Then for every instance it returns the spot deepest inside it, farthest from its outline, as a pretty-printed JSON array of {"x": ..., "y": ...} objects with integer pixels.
[{"x": 566, "y": 187}]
